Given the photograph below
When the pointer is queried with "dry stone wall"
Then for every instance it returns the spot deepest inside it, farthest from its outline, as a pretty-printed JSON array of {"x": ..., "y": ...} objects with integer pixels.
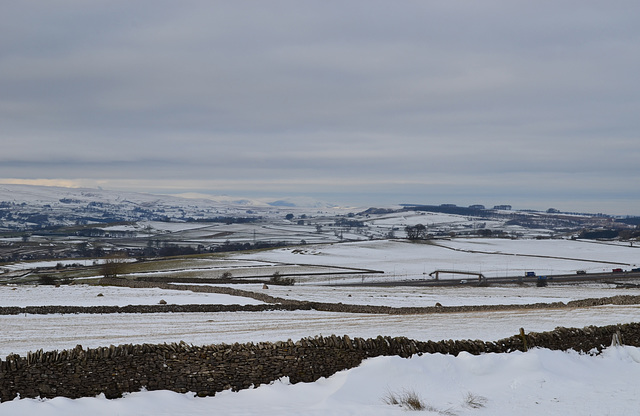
[
  {"x": 275, "y": 303},
  {"x": 206, "y": 370}
]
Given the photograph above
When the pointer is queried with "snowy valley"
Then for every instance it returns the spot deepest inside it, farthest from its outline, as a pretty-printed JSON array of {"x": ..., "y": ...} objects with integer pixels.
[{"x": 334, "y": 255}]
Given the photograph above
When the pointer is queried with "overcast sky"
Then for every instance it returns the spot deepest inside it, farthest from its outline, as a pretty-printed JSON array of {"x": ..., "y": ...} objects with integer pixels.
[{"x": 534, "y": 104}]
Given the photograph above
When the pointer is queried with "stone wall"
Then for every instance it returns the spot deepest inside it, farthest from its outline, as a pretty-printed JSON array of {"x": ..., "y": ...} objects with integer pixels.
[
  {"x": 206, "y": 370},
  {"x": 275, "y": 303}
]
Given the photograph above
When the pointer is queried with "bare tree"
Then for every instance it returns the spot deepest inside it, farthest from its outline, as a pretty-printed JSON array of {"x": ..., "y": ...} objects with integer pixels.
[
  {"x": 416, "y": 232},
  {"x": 113, "y": 266}
]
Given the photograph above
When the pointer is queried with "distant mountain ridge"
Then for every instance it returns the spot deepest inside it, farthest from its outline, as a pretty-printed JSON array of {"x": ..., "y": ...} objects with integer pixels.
[
  {"x": 24, "y": 207},
  {"x": 34, "y": 194},
  {"x": 31, "y": 206}
]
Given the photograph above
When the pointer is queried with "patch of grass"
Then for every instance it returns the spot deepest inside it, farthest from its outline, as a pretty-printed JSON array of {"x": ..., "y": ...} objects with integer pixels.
[
  {"x": 474, "y": 401},
  {"x": 410, "y": 400},
  {"x": 392, "y": 399}
]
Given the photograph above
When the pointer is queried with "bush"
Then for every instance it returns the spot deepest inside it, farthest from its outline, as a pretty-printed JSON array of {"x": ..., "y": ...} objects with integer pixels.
[
  {"x": 47, "y": 279},
  {"x": 113, "y": 266},
  {"x": 277, "y": 279},
  {"x": 474, "y": 401}
]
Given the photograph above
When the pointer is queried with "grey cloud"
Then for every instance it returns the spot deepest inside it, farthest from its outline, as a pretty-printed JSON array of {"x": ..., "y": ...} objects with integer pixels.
[{"x": 380, "y": 96}]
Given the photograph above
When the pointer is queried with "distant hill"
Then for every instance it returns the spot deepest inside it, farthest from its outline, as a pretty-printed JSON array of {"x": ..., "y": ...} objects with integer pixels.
[{"x": 28, "y": 206}]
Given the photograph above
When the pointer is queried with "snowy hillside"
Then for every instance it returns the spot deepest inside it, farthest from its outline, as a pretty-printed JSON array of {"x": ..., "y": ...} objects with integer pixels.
[
  {"x": 533, "y": 383},
  {"x": 47, "y": 206}
]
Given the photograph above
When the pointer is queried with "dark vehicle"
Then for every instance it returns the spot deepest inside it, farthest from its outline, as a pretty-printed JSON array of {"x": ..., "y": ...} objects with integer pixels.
[
  {"x": 618, "y": 270},
  {"x": 636, "y": 269},
  {"x": 529, "y": 274},
  {"x": 581, "y": 272}
]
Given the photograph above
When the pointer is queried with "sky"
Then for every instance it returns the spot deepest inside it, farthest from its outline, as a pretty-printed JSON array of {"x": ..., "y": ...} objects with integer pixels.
[{"x": 532, "y": 104}]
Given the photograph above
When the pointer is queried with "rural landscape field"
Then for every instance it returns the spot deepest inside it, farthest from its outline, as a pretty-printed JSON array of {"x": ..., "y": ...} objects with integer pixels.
[
  {"x": 517, "y": 270},
  {"x": 319, "y": 208}
]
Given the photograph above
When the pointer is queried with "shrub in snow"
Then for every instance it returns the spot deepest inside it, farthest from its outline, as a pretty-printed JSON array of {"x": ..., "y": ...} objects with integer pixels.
[
  {"x": 277, "y": 279},
  {"x": 47, "y": 279},
  {"x": 407, "y": 399},
  {"x": 474, "y": 401}
]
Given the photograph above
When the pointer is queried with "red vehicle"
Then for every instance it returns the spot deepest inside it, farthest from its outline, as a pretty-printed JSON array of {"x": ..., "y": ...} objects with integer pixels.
[{"x": 618, "y": 270}]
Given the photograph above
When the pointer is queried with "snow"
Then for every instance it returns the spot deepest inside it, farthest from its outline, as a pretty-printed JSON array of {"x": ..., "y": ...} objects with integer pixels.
[
  {"x": 491, "y": 257},
  {"x": 419, "y": 296},
  {"x": 23, "y": 333},
  {"x": 536, "y": 382},
  {"x": 30, "y": 265},
  {"x": 169, "y": 227},
  {"x": 413, "y": 218},
  {"x": 41, "y": 264},
  {"x": 86, "y": 295},
  {"x": 532, "y": 383}
]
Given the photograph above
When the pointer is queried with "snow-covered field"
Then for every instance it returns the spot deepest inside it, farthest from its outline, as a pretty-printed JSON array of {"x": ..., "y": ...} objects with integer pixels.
[
  {"x": 53, "y": 263},
  {"x": 409, "y": 296},
  {"x": 85, "y": 295},
  {"x": 531, "y": 383},
  {"x": 491, "y": 257},
  {"x": 23, "y": 333}
]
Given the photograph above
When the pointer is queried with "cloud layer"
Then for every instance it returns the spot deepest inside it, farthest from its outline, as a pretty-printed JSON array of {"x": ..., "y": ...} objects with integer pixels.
[{"x": 494, "y": 102}]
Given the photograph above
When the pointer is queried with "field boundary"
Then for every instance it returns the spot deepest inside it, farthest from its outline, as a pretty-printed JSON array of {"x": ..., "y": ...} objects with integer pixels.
[
  {"x": 206, "y": 370},
  {"x": 275, "y": 303}
]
